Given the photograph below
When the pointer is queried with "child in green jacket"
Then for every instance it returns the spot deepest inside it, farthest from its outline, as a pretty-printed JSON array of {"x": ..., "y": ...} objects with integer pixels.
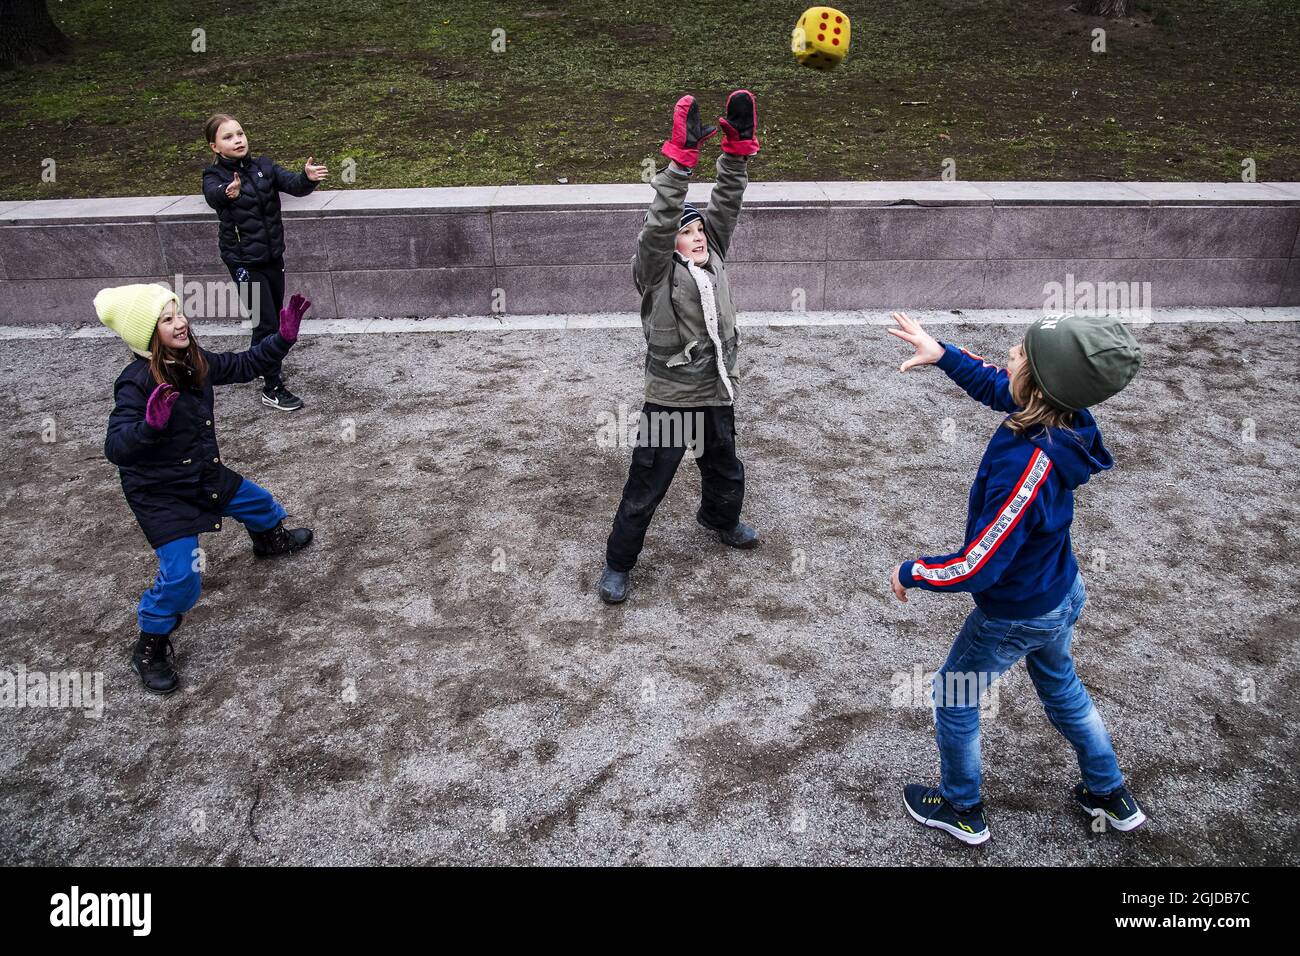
[{"x": 690, "y": 328}]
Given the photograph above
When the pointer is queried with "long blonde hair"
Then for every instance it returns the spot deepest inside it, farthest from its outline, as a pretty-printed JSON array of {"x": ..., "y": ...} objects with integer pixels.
[{"x": 1035, "y": 410}]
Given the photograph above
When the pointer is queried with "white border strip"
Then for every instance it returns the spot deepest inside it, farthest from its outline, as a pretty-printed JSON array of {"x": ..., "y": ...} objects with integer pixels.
[{"x": 630, "y": 320}]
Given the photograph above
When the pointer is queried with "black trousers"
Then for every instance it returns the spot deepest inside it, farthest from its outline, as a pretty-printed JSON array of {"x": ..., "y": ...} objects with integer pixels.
[
  {"x": 268, "y": 277},
  {"x": 661, "y": 443}
]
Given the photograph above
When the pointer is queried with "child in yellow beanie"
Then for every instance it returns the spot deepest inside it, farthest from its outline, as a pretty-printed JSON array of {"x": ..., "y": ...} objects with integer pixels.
[{"x": 162, "y": 437}]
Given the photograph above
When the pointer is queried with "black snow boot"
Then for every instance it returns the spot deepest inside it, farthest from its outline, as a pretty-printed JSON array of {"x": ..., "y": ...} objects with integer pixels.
[
  {"x": 613, "y": 585},
  {"x": 154, "y": 660},
  {"x": 279, "y": 540}
]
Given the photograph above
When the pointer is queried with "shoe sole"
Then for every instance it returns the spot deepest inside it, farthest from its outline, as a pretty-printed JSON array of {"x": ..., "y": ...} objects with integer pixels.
[
  {"x": 970, "y": 839},
  {"x": 278, "y": 407},
  {"x": 1124, "y": 826},
  {"x": 611, "y": 601}
]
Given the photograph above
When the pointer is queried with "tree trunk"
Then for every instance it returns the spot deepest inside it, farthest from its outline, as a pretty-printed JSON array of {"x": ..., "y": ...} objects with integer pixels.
[
  {"x": 28, "y": 33},
  {"x": 1103, "y": 8}
]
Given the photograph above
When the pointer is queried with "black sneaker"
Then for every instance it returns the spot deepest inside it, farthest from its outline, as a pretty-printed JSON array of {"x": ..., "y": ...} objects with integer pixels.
[
  {"x": 281, "y": 398},
  {"x": 153, "y": 660},
  {"x": 279, "y": 540},
  {"x": 927, "y": 805},
  {"x": 1119, "y": 808}
]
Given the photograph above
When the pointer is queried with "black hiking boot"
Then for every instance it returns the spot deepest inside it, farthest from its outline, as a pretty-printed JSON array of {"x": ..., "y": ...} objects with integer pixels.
[
  {"x": 279, "y": 540},
  {"x": 154, "y": 661}
]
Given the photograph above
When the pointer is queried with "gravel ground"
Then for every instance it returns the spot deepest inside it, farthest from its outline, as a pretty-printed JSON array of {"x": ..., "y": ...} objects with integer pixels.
[{"x": 434, "y": 681}]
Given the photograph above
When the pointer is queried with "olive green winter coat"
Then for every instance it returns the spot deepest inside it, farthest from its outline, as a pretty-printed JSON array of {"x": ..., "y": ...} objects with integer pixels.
[{"x": 681, "y": 367}]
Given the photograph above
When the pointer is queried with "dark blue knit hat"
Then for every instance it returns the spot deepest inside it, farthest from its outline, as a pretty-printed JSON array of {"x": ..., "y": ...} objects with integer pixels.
[{"x": 689, "y": 215}]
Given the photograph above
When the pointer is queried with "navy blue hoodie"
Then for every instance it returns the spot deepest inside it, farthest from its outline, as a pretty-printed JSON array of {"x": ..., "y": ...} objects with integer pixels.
[{"x": 1017, "y": 561}]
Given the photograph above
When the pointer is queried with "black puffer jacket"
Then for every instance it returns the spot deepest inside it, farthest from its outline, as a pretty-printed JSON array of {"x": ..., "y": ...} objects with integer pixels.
[
  {"x": 251, "y": 230},
  {"x": 173, "y": 478}
]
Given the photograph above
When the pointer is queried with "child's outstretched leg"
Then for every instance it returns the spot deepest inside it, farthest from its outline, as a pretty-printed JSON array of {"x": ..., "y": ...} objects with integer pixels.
[
  {"x": 1072, "y": 712},
  {"x": 174, "y": 591},
  {"x": 262, "y": 516},
  {"x": 654, "y": 463},
  {"x": 984, "y": 650}
]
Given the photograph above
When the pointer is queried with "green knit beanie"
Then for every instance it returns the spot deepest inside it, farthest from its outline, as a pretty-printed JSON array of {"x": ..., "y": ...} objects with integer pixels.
[
  {"x": 1080, "y": 361},
  {"x": 132, "y": 311}
]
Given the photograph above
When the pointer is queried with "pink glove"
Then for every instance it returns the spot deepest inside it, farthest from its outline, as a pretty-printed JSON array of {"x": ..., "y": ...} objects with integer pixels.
[
  {"x": 739, "y": 125},
  {"x": 291, "y": 317},
  {"x": 158, "y": 410},
  {"x": 684, "y": 144}
]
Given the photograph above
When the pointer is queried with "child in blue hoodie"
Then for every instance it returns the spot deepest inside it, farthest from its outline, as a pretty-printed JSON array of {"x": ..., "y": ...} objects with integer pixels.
[{"x": 1017, "y": 561}]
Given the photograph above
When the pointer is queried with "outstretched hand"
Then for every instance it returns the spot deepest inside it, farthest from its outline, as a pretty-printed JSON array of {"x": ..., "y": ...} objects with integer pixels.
[
  {"x": 315, "y": 171},
  {"x": 896, "y": 586},
  {"x": 291, "y": 317},
  {"x": 158, "y": 409},
  {"x": 928, "y": 349},
  {"x": 233, "y": 187}
]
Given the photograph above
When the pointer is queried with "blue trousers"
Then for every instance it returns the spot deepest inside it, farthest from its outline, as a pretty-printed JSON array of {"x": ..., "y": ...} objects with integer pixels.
[
  {"x": 179, "y": 581},
  {"x": 985, "y": 649}
]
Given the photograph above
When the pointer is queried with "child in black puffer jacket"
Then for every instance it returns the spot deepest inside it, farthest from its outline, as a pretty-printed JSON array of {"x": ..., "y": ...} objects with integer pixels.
[
  {"x": 245, "y": 192},
  {"x": 162, "y": 438}
]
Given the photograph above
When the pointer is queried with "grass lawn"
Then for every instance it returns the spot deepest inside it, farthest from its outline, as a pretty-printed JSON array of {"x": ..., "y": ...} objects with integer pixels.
[{"x": 413, "y": 93}]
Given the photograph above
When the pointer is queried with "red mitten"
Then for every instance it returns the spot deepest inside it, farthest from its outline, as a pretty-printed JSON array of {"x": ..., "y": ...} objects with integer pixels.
[
  {"x": 684, "y": 145},
  {"x": 739, "y": 125}
]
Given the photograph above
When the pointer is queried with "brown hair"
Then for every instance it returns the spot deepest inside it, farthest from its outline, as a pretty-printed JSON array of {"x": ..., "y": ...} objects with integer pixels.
[
  {"x": 168, "y": 365},
  {"x": 213, "y": 124},
  {"x": 1035, "y": 410}
]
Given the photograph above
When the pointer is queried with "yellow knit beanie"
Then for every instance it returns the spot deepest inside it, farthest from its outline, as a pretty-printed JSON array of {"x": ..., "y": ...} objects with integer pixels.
[{"x": 132, "y": 311}]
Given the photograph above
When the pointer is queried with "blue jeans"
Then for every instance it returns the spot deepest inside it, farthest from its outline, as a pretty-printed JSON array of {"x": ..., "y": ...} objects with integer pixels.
[
  {"x": 177, "y": 587},
  {"x": 984, "y": 650}
]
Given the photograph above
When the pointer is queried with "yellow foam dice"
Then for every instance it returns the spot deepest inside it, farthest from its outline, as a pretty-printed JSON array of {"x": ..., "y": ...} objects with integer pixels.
[{"x": 821, "y": 38}]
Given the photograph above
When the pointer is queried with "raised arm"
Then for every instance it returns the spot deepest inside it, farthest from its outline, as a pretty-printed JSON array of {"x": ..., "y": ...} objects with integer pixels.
[
  {"x": 724, "y": 202},
  {"x": 299, "y": 184},
  {"x": 236, "y": 368},
  {"x": 658, "y": 238},
  {"x": 232, "y": 368},
  {"x": 739, "y": 142},
  {"x": 981, "y": 380}
]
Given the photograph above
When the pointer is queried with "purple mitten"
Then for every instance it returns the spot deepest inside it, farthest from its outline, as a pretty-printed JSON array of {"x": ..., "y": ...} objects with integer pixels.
[
  {"x": 291, "y": 317},
  {"x": 158, "y": 410}
]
